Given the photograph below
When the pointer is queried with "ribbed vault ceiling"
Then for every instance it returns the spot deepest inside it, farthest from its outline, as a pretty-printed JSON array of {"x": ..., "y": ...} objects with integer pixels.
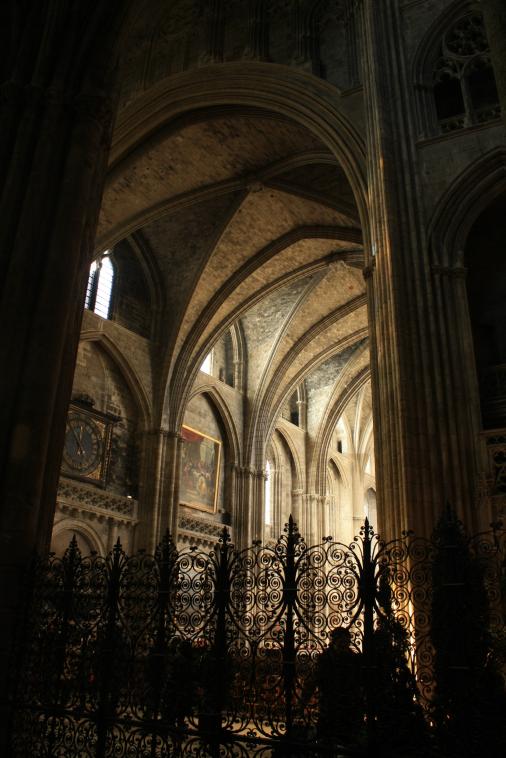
[{"x": 249, "y": 219}]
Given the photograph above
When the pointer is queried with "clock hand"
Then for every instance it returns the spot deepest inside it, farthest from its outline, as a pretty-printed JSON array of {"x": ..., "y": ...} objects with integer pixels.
[{"x": 80, "y": 449}]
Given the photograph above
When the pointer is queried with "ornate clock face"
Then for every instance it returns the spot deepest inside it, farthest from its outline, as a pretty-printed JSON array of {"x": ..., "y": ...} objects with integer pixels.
[{"x": 83, "y": 444}]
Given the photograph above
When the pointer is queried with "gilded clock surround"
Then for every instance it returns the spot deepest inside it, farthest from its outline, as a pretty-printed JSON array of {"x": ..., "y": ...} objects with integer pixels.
[{"x": 87, "y": 448}]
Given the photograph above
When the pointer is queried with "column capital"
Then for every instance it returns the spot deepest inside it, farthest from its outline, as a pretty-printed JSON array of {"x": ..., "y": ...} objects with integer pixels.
[
  {"x": 312, "y": 498},
  {"x": 250, "y": 471}
]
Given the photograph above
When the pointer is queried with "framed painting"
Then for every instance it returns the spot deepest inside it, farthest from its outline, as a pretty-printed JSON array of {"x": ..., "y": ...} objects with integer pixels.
[{"x": 200, "y": 470}]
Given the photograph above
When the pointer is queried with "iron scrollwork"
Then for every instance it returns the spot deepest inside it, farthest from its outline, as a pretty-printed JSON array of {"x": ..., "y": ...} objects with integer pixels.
[{"x": 238, "y": 652}]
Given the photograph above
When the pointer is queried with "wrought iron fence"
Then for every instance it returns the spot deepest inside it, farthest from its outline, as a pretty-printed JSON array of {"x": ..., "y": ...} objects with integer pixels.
[{"x": 285, "y": 649}]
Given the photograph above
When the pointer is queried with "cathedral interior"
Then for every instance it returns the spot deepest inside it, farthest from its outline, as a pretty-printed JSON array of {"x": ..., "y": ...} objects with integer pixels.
[{"x": 252, "y": 267}]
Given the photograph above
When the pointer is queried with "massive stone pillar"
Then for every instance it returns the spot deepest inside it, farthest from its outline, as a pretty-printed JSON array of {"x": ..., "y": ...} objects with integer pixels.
[
  {"x": 494, "y": 13},
  {"x": 312, "y": 520},
  {"x": 56, "y": 111},
  {"x": 168, "y": 517},
  {"x": 155, "y": 517},
  {"x": 249, "y": 505},
  {"x": 425, "y": 438}
]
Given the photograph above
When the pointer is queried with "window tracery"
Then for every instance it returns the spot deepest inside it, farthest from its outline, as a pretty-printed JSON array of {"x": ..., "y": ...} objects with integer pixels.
[{"x": 464, "y": 85}]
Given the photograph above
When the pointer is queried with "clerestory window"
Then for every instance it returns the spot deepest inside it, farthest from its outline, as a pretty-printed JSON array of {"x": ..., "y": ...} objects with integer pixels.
[
  {"x": 100, "y": 284},
  {"x": 207, "y": 363}
]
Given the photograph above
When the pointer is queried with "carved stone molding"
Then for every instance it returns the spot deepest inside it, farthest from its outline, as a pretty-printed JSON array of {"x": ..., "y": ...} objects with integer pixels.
[
  {"x": 89, "y": 499},
  {"x": 200, "y": 526},
  {"x": 313, "y": 499},
  {"x": 198, "y": 532},
  {"x": 249, "y": 471},
  {"x": 187, "y": 539}
]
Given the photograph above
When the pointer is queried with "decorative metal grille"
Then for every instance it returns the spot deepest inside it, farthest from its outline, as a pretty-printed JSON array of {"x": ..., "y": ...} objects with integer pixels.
[{"x": 286, "y": 649}]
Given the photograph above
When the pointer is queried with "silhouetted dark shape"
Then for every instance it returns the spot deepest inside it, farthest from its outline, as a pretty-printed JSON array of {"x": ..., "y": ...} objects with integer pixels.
[
  {"x": 400, "y": 726},
  {"x": 173, "y": 676},
  {"x": 338, "y": 677},
  {"x": 469, "y": 704}
]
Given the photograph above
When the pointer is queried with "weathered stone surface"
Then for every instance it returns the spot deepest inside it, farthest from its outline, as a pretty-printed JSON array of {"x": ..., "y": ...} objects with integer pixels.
[{"x": 264, "y": 154}]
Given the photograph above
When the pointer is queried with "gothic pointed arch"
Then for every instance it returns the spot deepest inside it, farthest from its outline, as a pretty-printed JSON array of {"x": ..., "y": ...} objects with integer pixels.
[
  {"x": 316, "y": 472},
  {"x": 151, "y": 269},
  {"x": 366, "y": 441},
  {"x": 267, "y": 413},
  {"x": 249, "y": 85},
  {"x": 476, "y": 189},
  {"x": 341, "y": 471},
  {"x": 462, "y": 203},
  {"x": 127, "y": 370},
  {"x": 68, "y": 527},
  {"x": 240, "y": 355},
  {"x": 282, "y": 481},
  {"x": 220, "y": 407},
  {"x": 284, "y": 433},
  {"x": 188, "y": 363}
]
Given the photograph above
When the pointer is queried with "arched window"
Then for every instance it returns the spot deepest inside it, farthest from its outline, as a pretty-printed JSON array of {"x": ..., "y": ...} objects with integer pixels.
[
  {"x": 207, "y": 363},
  {"x": 463, "y": 83},
  {"x": 100, "y": 283}
]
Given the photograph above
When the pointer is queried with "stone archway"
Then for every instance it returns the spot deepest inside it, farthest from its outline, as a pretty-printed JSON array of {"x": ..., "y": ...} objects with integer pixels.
[
  {"x": 174, "y": 115},
  {"x": 467, "y": 197}
]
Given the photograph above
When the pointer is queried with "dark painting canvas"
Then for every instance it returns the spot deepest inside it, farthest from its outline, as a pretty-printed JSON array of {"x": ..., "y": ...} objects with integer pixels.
[{"x": 199, "y": 470}]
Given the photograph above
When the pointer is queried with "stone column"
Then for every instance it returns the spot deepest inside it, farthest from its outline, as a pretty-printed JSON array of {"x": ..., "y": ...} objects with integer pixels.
[
  {"x": 416, "y": 463},
  {"x": 257, "y": 489},
  {"x": 152, "y": 491},
  {"x": 249, "y": 505},
  {"x": 312, "y": 520},
  {"x": 215, "y": 32},
  {"x": 56, "y": 112},
  {"x": 302, "y": 410},
  {"x": 352, "y": 46},
  {"x": 357, "y": 493},
  {"x": 345, "y": 531},
  {"x": 113, "y": 534},
  {"x": 238, "y": 375},
  {"x": 296, "y": 511},
  {"x": 277, "y": 516},
  {"x": 306, "y": 33},
  {"x": 494, "y": 13},
  {"x": 258, "y": 32},
  {"x": 462, "y": 461},
  {"x": 228, "y": 510},
  {"x": 159, "y": 495},
  {"x": 169, "y": 511}
]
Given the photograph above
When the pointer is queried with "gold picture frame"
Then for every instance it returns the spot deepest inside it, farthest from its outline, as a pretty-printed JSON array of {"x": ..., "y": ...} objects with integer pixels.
[{"x": 200, "y": 470}]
